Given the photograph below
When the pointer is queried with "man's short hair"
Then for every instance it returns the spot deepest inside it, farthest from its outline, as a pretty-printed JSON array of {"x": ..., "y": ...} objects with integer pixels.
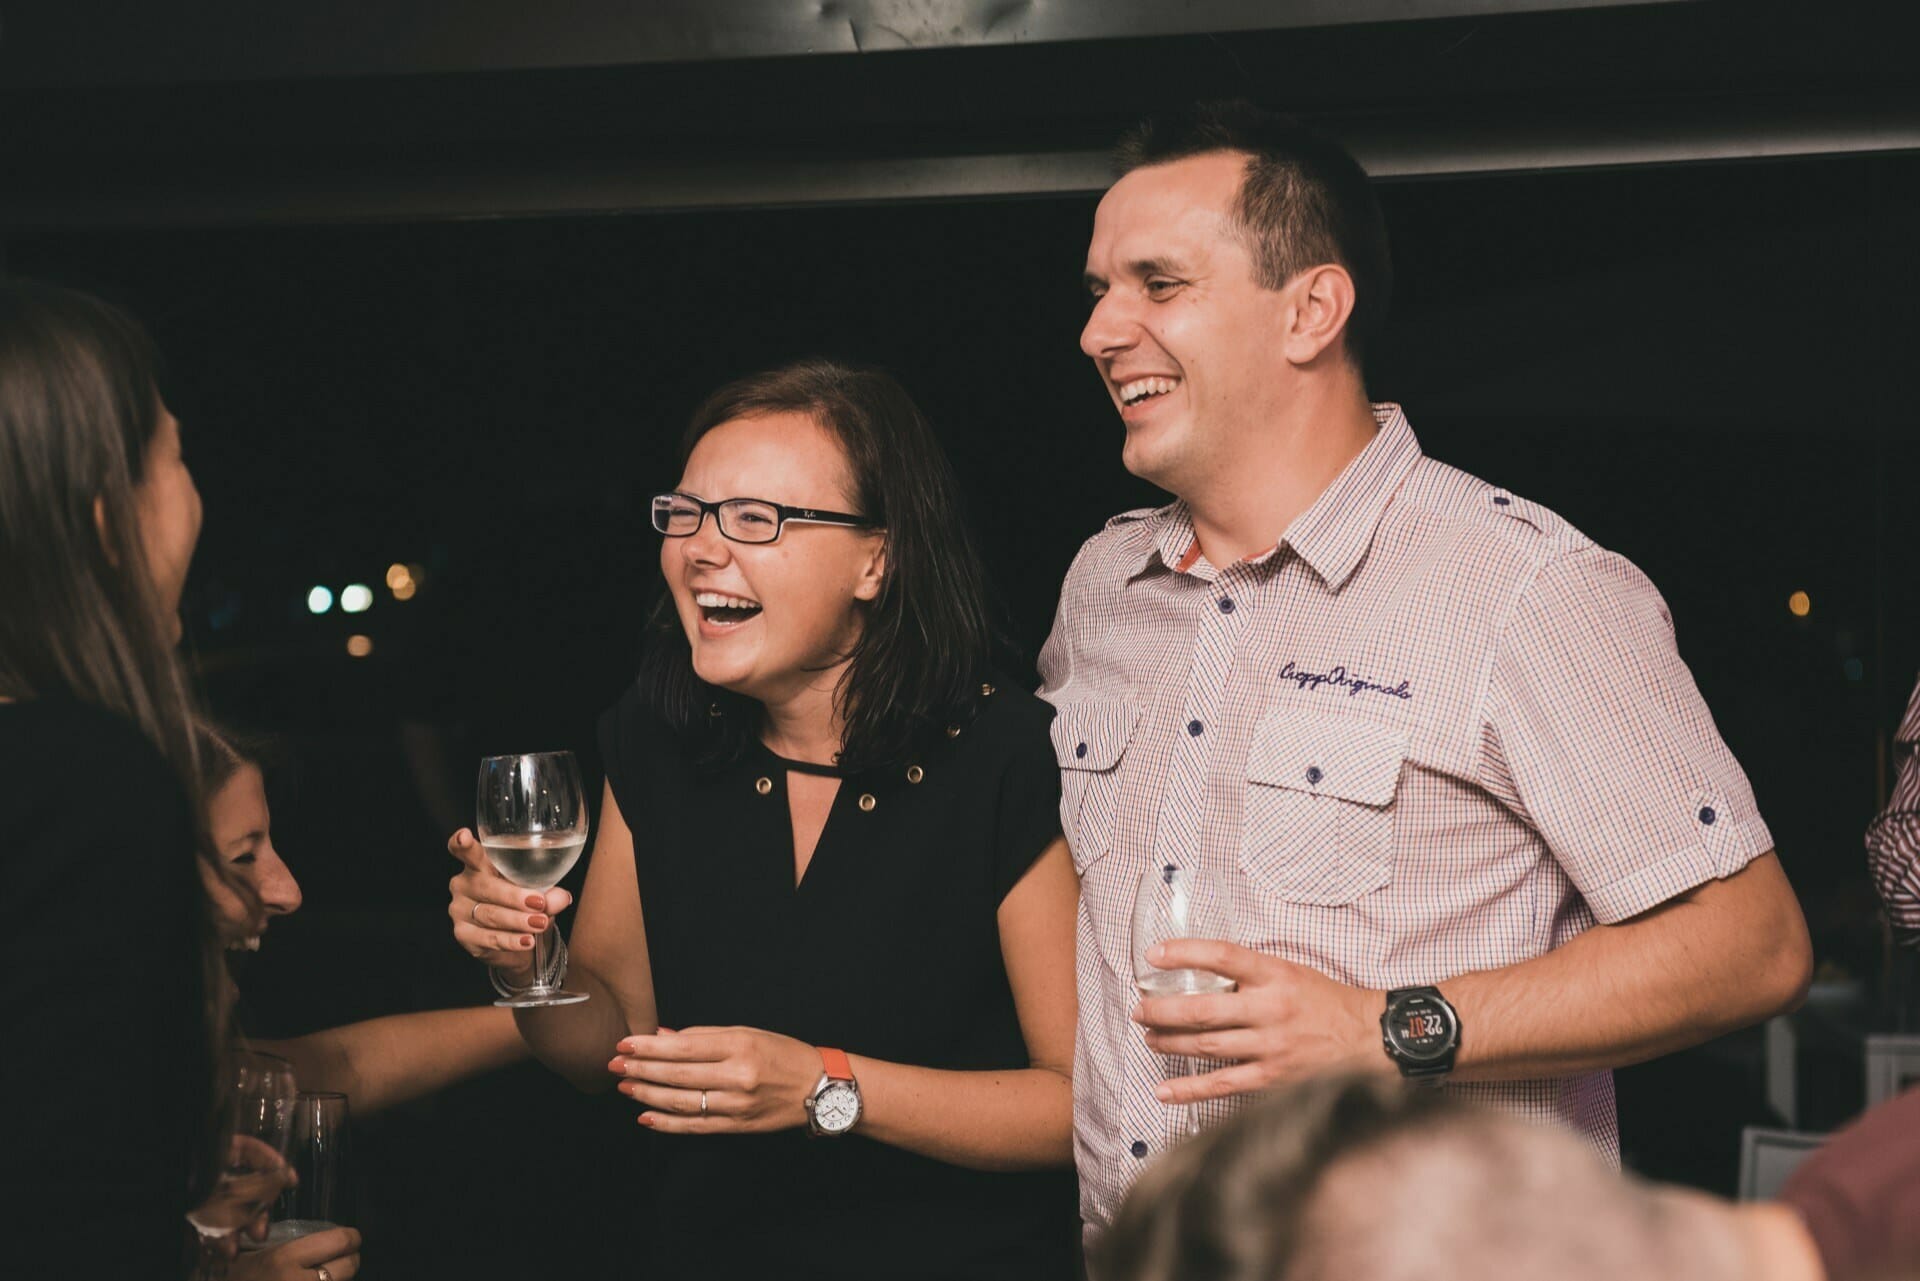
[
  {"x": 1350, "y": 1178},
  {"x": 1304, "y": 202}
]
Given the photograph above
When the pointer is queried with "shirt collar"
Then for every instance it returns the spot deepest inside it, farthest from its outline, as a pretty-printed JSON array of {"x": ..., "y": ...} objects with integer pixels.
[{"x": 1332, "y": 536}]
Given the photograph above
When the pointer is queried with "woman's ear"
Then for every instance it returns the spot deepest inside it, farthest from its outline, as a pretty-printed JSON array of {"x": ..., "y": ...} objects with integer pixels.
[
  {"x": 100, "y": 528},
  {"x": 874, "y": 573}
]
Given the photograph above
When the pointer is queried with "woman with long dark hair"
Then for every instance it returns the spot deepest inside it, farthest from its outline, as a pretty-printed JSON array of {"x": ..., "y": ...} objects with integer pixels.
[
  {"x": 109, "y": 1007},
  {"x": 827, "y": 929}
]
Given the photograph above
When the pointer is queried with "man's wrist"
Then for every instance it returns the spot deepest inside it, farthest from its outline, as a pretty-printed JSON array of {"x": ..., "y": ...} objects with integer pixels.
[{"x": 1363, "y": 1020}]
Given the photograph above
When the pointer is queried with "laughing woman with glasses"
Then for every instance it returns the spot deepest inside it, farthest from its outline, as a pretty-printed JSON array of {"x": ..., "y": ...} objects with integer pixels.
[{"x": 829, "y": 860}]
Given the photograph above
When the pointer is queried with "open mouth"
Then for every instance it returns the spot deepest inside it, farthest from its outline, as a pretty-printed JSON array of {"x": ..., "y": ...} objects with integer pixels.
[
  {"x": 1141, "y": 390},
  {"x": 725, "y": 611},
  {"x": 251, "y": 943}
]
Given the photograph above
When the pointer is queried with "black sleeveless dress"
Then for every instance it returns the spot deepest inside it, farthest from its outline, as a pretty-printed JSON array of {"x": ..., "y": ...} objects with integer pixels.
[{"x": 888, "y": 947}]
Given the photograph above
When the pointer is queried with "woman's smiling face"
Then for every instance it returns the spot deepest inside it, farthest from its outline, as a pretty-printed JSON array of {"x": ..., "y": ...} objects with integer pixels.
[
  {"x": 241, "y": 826},
  {"x": 771, "y": 620}
]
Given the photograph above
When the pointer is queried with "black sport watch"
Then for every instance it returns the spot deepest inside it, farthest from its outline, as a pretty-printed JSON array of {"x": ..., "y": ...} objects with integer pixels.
[{"x": 1421, "y": 1032}]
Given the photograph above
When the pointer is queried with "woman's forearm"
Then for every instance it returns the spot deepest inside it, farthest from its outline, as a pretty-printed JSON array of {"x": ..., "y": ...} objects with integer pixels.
[
  {"x": 1016, "y": 1119},
  {"x": 576, "y": 1041},
  {"x": 380, "y": 1062}
]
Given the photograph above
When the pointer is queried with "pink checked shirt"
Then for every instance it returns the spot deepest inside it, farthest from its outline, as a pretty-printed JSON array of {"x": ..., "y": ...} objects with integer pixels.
[
  {"x": 1436, "y": 728},
  {"x": 1893, "y": 841}
]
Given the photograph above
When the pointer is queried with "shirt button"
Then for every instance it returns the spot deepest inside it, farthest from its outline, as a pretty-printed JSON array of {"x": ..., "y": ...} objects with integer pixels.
[
  {"x": 1314, "y": 775},
  {"x": 1707, "y": 815},
  {"x": 1081, "y": 751},
  {"x": 1139, "y": 1148},
  {"x": 1226, "y": 604},
  {"x": 1195, "y": 728}
]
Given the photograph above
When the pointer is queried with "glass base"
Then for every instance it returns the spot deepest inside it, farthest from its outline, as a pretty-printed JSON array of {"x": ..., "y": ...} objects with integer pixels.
[
  {"x": 536, "y": 998},
  {"x": 281, "y": 1231}
]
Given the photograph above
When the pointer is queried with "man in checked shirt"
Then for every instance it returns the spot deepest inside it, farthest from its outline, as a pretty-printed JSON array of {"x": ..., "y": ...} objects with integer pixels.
[
  {"x": 1893, "y": 839},
  {"x": 1448, "y": 741}
]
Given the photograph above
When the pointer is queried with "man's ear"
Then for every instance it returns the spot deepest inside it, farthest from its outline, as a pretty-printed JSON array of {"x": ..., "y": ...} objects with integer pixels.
[
  {"x": 874, "y": 573},
  {"x": 1323, "y": 303}
]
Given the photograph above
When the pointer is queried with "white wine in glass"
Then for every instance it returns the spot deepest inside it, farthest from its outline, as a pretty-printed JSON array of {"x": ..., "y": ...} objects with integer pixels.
[
  {"x": 531, "y": 819},
  {"x": 1178, "y": 902}
]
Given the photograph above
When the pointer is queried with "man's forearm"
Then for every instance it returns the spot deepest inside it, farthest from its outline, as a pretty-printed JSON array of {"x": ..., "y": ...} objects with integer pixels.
[{"x": 1723, "y": 956}]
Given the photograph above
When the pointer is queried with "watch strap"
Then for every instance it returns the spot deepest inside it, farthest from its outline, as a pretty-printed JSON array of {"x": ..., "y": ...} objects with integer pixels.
[{"x": 835, "y": 1064}]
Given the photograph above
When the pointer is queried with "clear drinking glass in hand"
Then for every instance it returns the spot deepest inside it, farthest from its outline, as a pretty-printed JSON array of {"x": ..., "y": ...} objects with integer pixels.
[
  {"x": 255, "y": 1127},
  {"x": 319, "y": 1141},
  {"x": 1176, "y": 902},
  {"x": 531, "y": 820}
]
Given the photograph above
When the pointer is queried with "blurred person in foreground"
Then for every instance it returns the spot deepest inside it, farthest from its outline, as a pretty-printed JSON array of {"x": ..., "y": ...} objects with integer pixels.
[
  {"x": 1347, "y": 1178},
  {"x": 112, "y": 1014}
]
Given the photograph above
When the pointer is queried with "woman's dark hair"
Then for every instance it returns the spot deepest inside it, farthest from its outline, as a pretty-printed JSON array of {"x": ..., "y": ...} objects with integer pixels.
[
  {"x": 225, "y": 751},
  {"x": 80, "y": 618},
  {"x": 928, "y": 636}
]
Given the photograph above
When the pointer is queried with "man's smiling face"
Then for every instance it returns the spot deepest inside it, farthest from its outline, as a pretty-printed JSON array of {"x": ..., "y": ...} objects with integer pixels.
[{"x": 1187, "y": 342}]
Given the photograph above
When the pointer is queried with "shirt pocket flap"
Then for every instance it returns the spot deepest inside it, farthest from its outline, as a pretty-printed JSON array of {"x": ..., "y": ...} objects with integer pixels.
[
  {"x": 1093, "y": 735},
  {"x": 1337, "y": 756}
]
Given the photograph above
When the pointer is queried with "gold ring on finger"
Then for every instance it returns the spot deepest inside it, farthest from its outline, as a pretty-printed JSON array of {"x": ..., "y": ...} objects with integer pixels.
[
  {"x": 473, "y": 913},
  {"x": 703, "y": 1103}
]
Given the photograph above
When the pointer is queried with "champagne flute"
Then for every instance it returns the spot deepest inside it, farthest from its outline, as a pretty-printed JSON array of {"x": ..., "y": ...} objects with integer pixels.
[
  {"x": 532, "y": 822},
  {"x": 1177, "y": 902}
]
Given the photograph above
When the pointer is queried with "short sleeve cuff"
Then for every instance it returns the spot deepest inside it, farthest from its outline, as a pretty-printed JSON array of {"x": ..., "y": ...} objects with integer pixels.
[{"x": 1722, "y": 845}]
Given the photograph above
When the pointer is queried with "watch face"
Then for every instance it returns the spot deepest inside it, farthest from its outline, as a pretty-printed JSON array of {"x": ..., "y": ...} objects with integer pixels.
[
  {"x": 1422, "y": 1029},
  {"x": 836, "y": 1108}
]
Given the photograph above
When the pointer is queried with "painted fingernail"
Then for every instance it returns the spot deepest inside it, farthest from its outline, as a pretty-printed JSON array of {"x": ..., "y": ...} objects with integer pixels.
[
  {"x": 646, "y": 1119},
  {"x": 537, "y": 903},
  {"x": 526, "y": 940},
  {"x": 616, "y": 1065},
  {"x": 537, "y": 922}
]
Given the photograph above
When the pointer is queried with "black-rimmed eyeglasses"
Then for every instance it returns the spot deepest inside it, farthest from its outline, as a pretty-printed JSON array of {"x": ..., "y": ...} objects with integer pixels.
[{"x": 744, "y": 520}]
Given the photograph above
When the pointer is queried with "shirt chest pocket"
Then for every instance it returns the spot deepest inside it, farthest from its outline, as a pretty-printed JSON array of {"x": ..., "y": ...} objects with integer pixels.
[
  {"x": 1318, "y": 826},
  {"x": 1089, "y": 741}
]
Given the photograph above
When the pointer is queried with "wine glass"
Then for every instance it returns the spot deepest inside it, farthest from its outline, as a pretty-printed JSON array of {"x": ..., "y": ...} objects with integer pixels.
[
  {"x": 255, "y": 1127},
  {"x": 532, "y": 822},
  {"x": 1179, "y": 902}
]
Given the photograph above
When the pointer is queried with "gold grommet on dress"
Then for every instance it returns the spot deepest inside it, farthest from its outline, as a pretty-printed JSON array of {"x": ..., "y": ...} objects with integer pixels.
[
  {"x": 713, "y": 709},
  {"x": 953, "y": 731},
  {"x": 763, "y": 785},
  {"x": 867, "y": 802},
  {"x": 915, "y": 773},
  {"x": 986, "y": 691}
]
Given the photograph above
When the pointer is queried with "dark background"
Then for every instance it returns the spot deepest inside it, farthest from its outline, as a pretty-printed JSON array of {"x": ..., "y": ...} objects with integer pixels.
[{"x": 1700, "y": 365}]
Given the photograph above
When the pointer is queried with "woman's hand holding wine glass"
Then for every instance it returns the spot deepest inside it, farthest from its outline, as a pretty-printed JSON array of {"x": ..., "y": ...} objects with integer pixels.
[
  {"x": 530, "y": 826},
  {"x": 495, "y": 920}
]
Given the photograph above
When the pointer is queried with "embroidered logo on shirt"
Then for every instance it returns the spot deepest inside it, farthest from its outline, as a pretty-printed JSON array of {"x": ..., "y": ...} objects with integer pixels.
[{"x": 1341, "y": 678}]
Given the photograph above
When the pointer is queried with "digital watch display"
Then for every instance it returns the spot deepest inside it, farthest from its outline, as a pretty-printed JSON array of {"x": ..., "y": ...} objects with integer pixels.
[{"x": 1421, "y": 1032}]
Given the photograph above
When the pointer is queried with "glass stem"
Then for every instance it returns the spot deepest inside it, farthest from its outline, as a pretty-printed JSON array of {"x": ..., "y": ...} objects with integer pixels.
[{"x": 544, "y": 979}]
